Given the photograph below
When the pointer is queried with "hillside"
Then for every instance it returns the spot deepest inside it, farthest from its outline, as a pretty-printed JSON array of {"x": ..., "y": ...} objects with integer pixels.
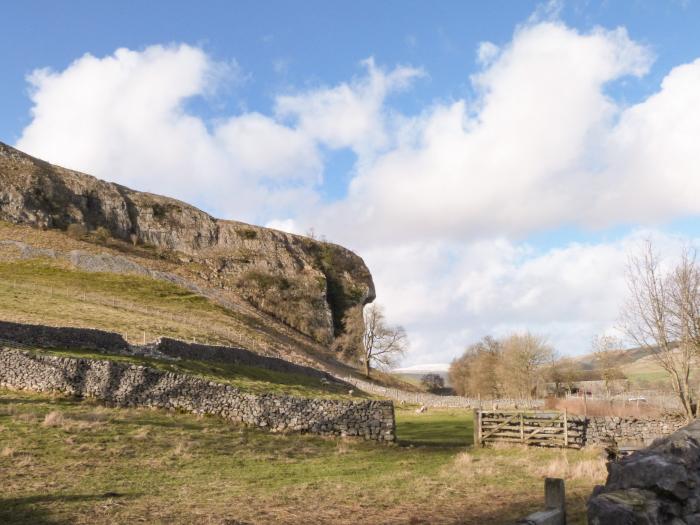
[
  {"x": 78, "y": 251},
  {"x": 306, "y": 284},
  {"x": 638, "y": 365}
]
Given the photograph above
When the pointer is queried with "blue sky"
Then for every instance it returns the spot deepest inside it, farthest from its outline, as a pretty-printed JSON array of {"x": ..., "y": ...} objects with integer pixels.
[{"x": 312, "y": 53}]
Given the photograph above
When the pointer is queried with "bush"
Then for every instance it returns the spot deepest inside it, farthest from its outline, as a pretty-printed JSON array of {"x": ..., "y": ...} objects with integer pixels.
[
  {"x": 102, "y": 234},
  {"x": 76, "y": 231},
  {"x": 247, "y": 233}
]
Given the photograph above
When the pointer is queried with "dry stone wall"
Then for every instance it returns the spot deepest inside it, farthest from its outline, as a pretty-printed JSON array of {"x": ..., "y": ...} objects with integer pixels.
[
  {"x": 62, "y": 337},
  {"x": 127, "y": 385},
  {"x": 436, "y": 401},
  {"x": 43, "y": 336},
  {"x": 180, "y": 349},
  {"x": 631, "y": 431}
]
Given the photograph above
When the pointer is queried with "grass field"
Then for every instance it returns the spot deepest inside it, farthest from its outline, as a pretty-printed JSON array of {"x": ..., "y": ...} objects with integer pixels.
[{"x": 67, "y": 461}]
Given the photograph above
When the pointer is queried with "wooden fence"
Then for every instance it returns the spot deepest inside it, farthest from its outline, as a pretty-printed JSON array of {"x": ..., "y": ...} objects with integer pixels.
[{"x": 543, "y": 429}]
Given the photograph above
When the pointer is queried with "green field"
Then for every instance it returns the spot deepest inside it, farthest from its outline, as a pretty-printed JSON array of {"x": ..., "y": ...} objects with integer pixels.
[{"x": 69, "y": 461}]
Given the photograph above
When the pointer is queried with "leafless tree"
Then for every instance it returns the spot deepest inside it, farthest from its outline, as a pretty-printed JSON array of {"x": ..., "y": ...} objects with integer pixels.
[
  {"x": 382, "y": 344},
  {"x": 369, "y": 340},
  {"x": 475, "y": 372},
  {"x": 523, "y": 363},
  {"x": 605, "y": 353},
  {"x": 662, "y": 315},
  {"x": 564, "y": 373}
]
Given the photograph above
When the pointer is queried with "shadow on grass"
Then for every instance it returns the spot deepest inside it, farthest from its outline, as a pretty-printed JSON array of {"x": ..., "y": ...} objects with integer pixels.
[{"x": 33, "y": 510}]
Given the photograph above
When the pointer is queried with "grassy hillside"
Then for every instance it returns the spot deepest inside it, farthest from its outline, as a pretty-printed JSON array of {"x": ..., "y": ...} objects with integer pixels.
[
  {"x": 49, "y": 290},
  {"x": 65, "y": 461},
  {"x": 248, "y": 378},
  {"x": 639, "y": 366}
]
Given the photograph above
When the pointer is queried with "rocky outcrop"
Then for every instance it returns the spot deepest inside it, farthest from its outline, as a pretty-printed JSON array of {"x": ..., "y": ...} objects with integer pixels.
[
  {"x": 655, "y": 486},
  {"x": 307, "y": 284},
  {"x": 127, "y": 385}
]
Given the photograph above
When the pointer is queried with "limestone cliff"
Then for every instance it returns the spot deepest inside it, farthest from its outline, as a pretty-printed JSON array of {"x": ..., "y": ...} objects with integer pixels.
[{"x": 305, "y": 283}]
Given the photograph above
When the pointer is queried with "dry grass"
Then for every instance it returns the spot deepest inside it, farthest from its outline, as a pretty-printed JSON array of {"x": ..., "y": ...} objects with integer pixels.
[
  {"x": 141, "y": 433},
  {"x": 53, "y": 419},
  {"x": 593, "y": 470},
  {"x": 604, "y": 408},
  {"x": 181, "y": 469},
  {"x": 7, "y": 452}
]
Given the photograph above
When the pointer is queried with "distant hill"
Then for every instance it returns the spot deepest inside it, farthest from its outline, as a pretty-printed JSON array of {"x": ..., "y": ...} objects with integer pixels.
[{"x": 415, "y": 373}]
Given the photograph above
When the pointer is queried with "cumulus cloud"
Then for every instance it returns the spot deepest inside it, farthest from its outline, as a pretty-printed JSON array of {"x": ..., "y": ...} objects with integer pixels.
[
  {"x": 524, "y": 155},
  {"x": 124, "y": 118},
  {"x": 441, "y": 203},
  {"x": 350, "y": 115},
  {"x": 497, "y": 286}
]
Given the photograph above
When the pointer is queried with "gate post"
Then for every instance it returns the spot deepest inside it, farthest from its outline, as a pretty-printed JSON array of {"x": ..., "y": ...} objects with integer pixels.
[{"x": 477, "y": 427}]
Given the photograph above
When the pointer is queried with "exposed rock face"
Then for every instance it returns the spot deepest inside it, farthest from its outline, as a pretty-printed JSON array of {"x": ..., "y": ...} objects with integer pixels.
[
  {"x": 655, "y": 486},
  {"x": 306, "y": 283}
]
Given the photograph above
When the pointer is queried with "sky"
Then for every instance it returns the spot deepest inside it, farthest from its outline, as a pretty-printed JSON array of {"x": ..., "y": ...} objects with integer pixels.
[{"x": 494, "y": 163}]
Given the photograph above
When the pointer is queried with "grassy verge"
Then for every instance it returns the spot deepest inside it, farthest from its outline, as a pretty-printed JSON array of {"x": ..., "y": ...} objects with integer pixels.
[
  {"x": 64, "y": 461},
  {"x": 251, "y": 379}
]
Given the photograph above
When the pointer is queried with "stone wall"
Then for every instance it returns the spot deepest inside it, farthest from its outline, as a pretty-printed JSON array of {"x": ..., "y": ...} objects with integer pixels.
[
  {"x": 630, "y": 431},
  {"x": 61, "y": 337},
  {"x": 655, "y": 486},
  {"x": 239, "y": 356},
  {"x": 436, "y": 401},
  {"x": 127, "y": 385}
]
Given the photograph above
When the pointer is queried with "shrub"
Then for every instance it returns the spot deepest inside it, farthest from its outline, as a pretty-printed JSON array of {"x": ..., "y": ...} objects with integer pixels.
[
  {"x": 247, "y": 233},
  {"x": 102, "y": 234},
  {"x": 76, "y": 230}
]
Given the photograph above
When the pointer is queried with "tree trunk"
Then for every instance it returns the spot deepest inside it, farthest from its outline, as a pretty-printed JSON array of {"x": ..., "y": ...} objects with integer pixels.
[{"x": 367, "y": 368}]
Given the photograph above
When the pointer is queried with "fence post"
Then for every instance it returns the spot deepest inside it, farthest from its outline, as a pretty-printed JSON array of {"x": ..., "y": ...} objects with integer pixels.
[
  {"x": 555, "y": 496},
  {"x": 554, "y": 503},
  {"x": 522, "y": 428},
  {"x": 566, "y": 429},
  {"x": 477, "y": 427}
]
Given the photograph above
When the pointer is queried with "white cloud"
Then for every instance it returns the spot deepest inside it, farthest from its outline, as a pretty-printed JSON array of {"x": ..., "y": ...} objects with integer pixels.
[
  {"x": 450, "y": 294},
  {"x": 517, "y": 159},
  {"x": 123, "y": 118},
  {"x": 440, "y": 201},
  {"x": 350, "y": 115},
  {"x": 486, "y": 52}
]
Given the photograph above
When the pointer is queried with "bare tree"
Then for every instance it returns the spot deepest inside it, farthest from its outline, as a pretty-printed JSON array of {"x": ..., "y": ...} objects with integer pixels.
[
  {"x": 382, "y": 344},
  {"x": 475, "y": 372},
  {"x": 605, "y": 353},
  {"x": 367, "y": 338},
  {"x": 564, "y": 373},
  {"x": 662, "y": 316},
  {"x": 523, "y": 363}
]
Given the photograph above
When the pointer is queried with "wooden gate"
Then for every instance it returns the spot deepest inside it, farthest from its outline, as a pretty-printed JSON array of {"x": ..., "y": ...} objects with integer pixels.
[{"x": 542, "y": 429}]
